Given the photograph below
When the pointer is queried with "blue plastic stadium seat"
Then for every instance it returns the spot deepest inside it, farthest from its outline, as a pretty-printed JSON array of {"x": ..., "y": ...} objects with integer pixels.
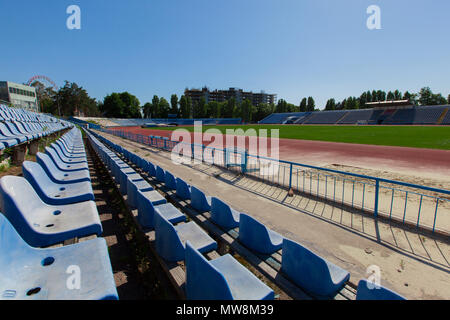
[
  {"x": 68, "y": 160},
  {"x": 183, "y": 189},
  {"x": 170, "y": 240},
  {"x": 223, "y": 278},
  {"x": 310, "y": 271},
  {"x": 59, "y": 176},
  {"x": 124, "y": 174},
  {"x": 199, "y": 201},
  {"x": 8, "y": 134},
  {"x": 7, "y": 141},
  {"x": 364, "y": 292},
  {"x": 223, "y": 215},
  {"x": 160, "y": 174},
  {"x": 42, "y": 274},
  {"x": 170, "y": 181},
  {"x": 71, "y": 157},
  {"x": 254, "y": 235},
  {"x": 55, "y": 193},
  {"x": 133, "y": 185},
  {"x": 40, "y": 224},
  {"x": 63, "y": 165},
  {"x": 149, "y": 201}
]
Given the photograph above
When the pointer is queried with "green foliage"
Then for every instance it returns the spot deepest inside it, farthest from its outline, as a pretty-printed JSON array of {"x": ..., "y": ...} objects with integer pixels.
[
  {"x": 428, "y": 98},
  {"x": 331, "y": 105},
  {"x": 185, "y": 109},
  {"x": 246, "y": 111},
  {"x": 69, "y": 100},
  {"x": 121, "y": 105},
  {"x": 303, "y": 105},
  {"x": 164, "y": 108},
  {"x": 311, "y": 105},
  {"x": 174, "y": 104},
  {"x": 147, "y": 108}
]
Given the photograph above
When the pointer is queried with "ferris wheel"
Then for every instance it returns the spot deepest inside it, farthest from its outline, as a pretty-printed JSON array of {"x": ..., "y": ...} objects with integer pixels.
[
  {"x": 49, "y": 81},
  {"x": 45, "y": 78}
]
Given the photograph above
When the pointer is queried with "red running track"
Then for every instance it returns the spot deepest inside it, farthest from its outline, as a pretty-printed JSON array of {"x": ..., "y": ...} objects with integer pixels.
[{"x": 414, "y": 161}]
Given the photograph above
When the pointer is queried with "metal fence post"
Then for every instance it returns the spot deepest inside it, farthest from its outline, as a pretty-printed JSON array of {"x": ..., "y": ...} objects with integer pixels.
[
  {"x": 377, "y": 190},
  {"x": 290, "y": 176}
]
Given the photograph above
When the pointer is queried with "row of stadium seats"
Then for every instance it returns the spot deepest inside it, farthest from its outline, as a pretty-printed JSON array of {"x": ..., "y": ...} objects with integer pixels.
[
  {"x": 18, "y": 126},
  {"x": 224, "y": 277},
  {"x": 417, "y": 115},
  {"x": 52, "y": 203}
]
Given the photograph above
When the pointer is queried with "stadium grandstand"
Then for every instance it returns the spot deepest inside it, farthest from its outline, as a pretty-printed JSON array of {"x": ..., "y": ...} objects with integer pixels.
[
  {"x": 423, "y": 115},
  {"x": 49, "y": 219}
]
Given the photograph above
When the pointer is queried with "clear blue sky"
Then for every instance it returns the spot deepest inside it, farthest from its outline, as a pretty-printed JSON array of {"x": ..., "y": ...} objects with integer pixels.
[{"x": 294, "y": 48}]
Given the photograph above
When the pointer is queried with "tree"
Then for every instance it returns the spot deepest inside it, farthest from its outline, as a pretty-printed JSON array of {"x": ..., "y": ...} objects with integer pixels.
[
  {"x": 174, "y": 104},
  {"x": 213, "y": 109},
  {"x": 331, "y": 105},
  {"x": 448, "y": 99},
  {"x": 121, "y": 105},
  {"x": 363, "y": 99},
  {"x": 428, "y": 98},
  {"x": 46, "y": 98},
  {"x": 132, "y": 105},
  {"x": 74, "y": 100},
  {"x": 311, "y": 105},
  {"x": 397, "y": 95},
  {"x": 113, "y": 106},
  {"x": 303, "y": 105},
  {"x": 247, "y": 111},
  {"x": 369, "y": 97},
  {"x": 155, "y": 107},
  {"x": 281, "y": 106},
  {"x": 229, "y": 108},
  {"x": 185, "y": 110},
  {"x": 374, "y": 96},
  {"x": 390, "y": 96},
  {"x": 164, "y": 108},
  {"x": 200, "y": 108},
  {"x": 262, "y": 110},
  {"x": 147, "y": 110}
]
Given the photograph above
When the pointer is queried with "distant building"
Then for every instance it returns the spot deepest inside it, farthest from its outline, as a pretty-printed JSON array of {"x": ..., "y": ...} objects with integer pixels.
[
  {"x": 223, "y": 95},
  {"x": 19, "y": 95}
]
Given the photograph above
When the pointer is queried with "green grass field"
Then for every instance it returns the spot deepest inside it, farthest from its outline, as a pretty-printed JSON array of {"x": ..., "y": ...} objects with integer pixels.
[{"x": 403, "y": 136}]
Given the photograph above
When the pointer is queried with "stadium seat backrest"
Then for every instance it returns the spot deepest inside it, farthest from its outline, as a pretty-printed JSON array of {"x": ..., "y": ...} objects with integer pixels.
[
  {"x": 369, "y": 291},
  {"x": 167, "y": 242},
  {"x": 198, "y": 271}
]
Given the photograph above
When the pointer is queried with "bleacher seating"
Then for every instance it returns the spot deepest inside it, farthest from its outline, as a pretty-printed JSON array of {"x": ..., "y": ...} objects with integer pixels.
[
  {"x": 423, "y": 115},
  {"x": 222, "y": 277},
  {"x": 369, "y": 291},
  {"x": 355, "y": 116},
  {"x": 37, "y": 211},
  {"x": 170, "y": 240},
  {"x": 310, "y": 271},
  {"x": 428, "y": 115},
  {"x": 275, "y": 118},
  {"x": 35, "y": 273},
  {"x": 325, "y": 117},
  {"x": 446, "y": 119},
  {"x": 401, "y": 116},
  {"x": 223, "y": 215},
  {"x": 256, "y": 236}
]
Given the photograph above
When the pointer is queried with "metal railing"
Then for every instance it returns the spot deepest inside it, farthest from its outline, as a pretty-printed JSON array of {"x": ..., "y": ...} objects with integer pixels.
[{"x": 415, "y": 205}]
